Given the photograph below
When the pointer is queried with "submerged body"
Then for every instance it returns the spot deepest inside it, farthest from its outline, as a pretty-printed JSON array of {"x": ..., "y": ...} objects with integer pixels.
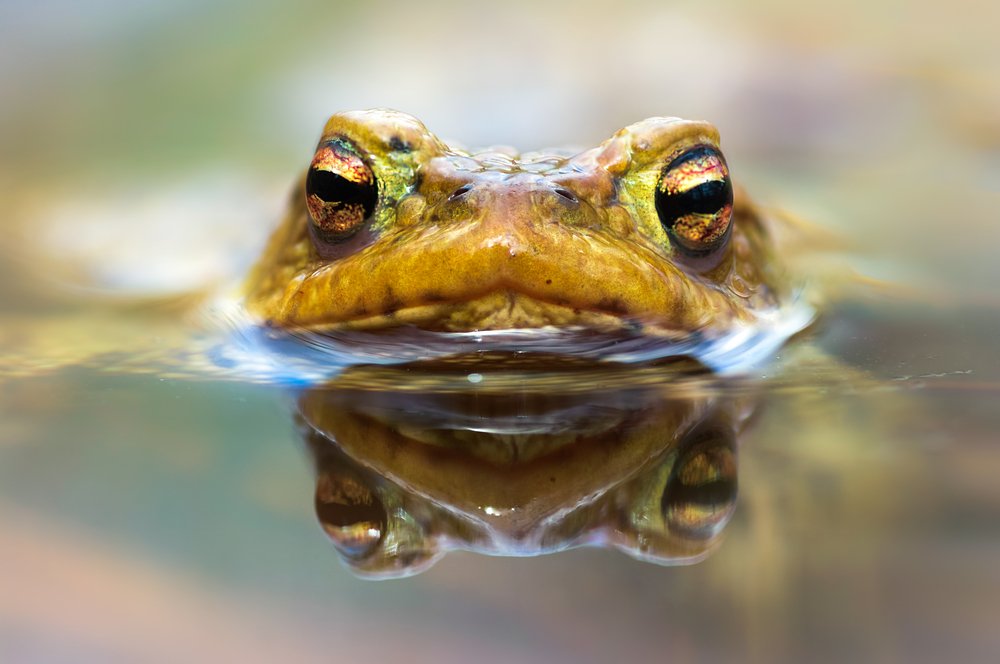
[{"x": 393, "y": 228}]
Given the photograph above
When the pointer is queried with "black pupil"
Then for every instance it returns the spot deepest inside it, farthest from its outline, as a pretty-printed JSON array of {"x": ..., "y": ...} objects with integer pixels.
[
  {"x": 706, "y": 198},
  {"x": 332, "y": 188}
]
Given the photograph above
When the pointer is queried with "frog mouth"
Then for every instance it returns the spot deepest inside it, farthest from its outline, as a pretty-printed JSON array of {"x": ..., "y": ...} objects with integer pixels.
[
  {"x": 509, "y": 309},
  {"x": 522, "y": 279},
  {"x": 503, "y": 310}
]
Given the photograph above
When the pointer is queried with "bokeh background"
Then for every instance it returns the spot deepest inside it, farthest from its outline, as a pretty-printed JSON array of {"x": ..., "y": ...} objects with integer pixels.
[{"x": 147, "y": 147}]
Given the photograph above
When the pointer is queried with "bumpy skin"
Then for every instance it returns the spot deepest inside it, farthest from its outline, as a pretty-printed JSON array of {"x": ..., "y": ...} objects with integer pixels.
[{"x": 463, "y": 241}]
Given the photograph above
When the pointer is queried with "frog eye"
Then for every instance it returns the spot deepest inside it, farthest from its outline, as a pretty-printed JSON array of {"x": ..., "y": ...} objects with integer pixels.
[
  {"x": 700, "y": 494},
  {"x": 350, "y": 512},
  {"x": 341, "y": 191},
  {"x": 694, "y": 200}
]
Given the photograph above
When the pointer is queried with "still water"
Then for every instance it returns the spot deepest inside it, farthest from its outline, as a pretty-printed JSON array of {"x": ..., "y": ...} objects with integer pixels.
[
  {"x": 156, "y": 518},
  {"x": 839, "y": 502}
]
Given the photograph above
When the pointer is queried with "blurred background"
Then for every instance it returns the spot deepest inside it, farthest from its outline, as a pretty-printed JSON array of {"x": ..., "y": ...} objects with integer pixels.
[{"x": 145, "y": 150}]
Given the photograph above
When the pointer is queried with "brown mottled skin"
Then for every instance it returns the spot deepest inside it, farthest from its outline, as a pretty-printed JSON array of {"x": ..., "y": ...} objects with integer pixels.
[{"x": 489, "y": 240}]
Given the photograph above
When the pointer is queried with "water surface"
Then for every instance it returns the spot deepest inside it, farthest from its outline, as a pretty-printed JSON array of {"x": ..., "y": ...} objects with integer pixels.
[{"x": 158, "y": 517}]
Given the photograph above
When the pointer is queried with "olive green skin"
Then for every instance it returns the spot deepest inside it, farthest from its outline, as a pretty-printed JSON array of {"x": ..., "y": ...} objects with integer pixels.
[{"x": 461, "y": 241}]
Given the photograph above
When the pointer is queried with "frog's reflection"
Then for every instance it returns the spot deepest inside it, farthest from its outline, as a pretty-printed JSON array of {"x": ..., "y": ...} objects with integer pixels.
[{"x": 412, "y": 465}]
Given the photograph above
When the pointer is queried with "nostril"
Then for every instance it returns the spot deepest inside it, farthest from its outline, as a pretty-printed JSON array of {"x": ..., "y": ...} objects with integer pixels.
[
  {"x": 567, "y": 194},
  {"x": 461, "y": 191}
]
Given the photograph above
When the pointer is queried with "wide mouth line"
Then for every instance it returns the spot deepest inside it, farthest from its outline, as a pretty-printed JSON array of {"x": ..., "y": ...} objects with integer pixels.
[{"x": 420, "y": 311}]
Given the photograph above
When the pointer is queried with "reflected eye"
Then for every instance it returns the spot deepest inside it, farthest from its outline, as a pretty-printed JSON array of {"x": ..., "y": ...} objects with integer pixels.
[
  {"x": 694, "y": 200},
  {"x": 341, "y": 191},
  {"x": 350, "y": 512},
  {"x": 701, "y": 493}
]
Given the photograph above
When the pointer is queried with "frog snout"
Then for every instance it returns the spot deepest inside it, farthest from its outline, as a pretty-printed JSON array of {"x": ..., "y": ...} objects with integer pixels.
[{"x": 515, "y": 203}]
